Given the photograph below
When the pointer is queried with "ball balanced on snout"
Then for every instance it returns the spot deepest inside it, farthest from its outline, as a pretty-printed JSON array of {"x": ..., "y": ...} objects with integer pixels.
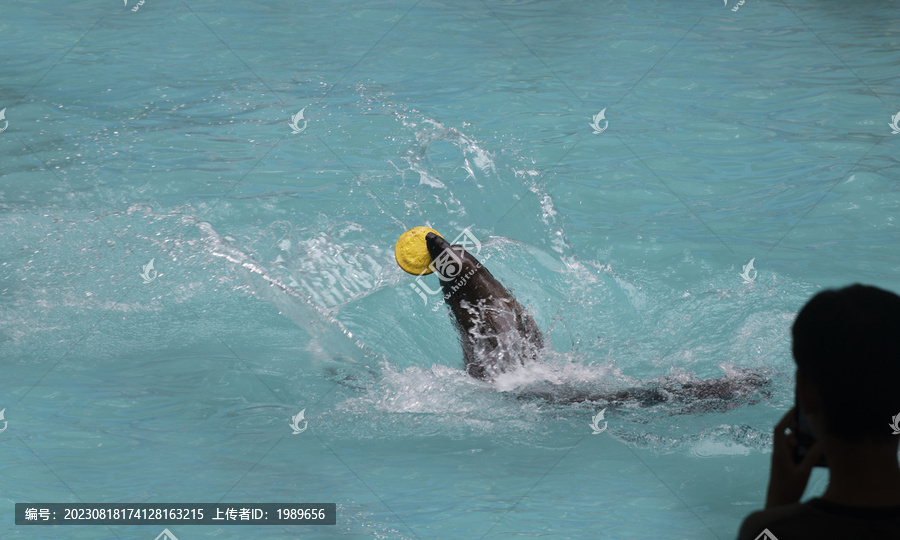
[{"x": 411, "y": 251}]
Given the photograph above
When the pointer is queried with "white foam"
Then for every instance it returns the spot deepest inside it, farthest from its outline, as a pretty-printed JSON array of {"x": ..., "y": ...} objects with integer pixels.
[{"x": 709, "y": 448}]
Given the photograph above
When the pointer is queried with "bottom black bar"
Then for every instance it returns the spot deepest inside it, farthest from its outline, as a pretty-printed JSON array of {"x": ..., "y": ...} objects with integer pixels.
[{"x": 176, "y": 513}]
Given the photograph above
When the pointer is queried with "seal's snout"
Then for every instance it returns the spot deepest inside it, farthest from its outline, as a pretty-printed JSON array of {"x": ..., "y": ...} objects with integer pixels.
[{"x": 435, "y": 244}]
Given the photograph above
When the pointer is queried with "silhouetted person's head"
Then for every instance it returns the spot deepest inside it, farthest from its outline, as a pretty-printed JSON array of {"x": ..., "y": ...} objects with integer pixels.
[{"x": 846, "y": 344}]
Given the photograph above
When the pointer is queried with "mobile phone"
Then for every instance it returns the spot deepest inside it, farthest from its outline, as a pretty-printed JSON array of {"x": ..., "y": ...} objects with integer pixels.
[{"x": 805, "y": 438}]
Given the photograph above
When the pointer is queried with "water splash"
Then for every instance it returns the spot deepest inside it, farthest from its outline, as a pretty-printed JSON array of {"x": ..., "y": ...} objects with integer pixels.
[{"x": 321, "y": 325}]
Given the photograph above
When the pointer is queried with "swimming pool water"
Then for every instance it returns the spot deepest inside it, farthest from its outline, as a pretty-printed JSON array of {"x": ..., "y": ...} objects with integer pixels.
[{"x": 170, "y": 131}]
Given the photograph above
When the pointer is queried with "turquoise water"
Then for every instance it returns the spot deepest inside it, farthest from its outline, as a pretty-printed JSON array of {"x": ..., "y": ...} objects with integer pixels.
[{"x": 163, "y": 134}]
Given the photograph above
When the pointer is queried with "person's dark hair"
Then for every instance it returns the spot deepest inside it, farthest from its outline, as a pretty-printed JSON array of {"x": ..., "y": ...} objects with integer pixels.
[{"x": 847, "y": 342}]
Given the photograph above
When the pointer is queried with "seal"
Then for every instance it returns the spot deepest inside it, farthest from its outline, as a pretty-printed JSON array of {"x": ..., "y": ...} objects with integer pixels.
[{"x": 496, "y": 332}]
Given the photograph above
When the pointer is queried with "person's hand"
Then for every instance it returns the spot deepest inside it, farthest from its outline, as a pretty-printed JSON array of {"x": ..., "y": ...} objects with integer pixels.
[{"x": 787, "y": 479}]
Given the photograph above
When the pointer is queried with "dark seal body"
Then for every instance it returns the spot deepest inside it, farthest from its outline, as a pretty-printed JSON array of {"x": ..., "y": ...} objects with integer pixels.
[{"x": 496, "y": 332}]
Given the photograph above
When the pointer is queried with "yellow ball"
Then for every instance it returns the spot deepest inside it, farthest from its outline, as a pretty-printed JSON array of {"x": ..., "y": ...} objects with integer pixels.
[{"x": 411, "y": 251}]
